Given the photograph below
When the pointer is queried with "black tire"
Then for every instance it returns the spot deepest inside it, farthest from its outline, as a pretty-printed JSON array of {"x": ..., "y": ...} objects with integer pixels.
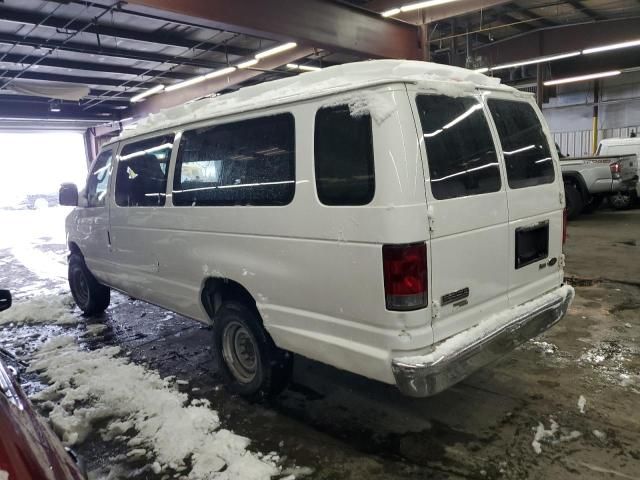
[
  {"x": 574, "y": 201},
  {"x": 91, "y": 296},
  {"x": 622, "y": 200},
  {"x": 593, "y": 204},
  {"x": 264, "y": 370}
]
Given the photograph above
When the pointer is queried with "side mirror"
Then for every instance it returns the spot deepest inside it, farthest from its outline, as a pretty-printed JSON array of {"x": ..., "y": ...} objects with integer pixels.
[
  {"x": 5, "y": 299},
  {"x": 68, "y": 195}
]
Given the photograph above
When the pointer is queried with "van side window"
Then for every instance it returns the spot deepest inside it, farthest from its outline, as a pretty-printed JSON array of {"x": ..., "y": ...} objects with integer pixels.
[
  {"x": 460, "y": 151},
  {"x": 98, "y": 180},
  {"x": 525, "y": 147},
  {"x": 344, "y": 167},
  {"x": 250, "y": 162},
  {"x": 141, "y": 179}
]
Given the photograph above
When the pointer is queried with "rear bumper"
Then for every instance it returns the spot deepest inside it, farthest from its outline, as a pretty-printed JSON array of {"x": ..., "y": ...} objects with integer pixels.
[
  {"x": 620, "y": 185},
  {"x": 453, "y": 359}
]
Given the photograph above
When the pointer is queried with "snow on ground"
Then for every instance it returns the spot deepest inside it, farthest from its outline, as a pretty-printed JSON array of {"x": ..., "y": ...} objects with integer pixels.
[
  {"x": 163, "y": 427},
  {"x": 554, "y": 435},
  {"x": 49, "y": 309},
  {"x": 542, "y": 433},
  {"x": 582, "y": 402}
]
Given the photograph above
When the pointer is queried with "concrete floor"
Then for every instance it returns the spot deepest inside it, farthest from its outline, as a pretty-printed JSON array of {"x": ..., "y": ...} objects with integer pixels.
[{"x": 346, "y": 427}]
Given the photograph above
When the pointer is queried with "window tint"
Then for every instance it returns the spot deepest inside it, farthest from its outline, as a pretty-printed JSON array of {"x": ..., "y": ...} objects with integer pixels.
[
  {"x": 525, "y": 147},
  {"x": 460, "y": 150},
  {"x": 343, "y": 157},
  {"x": 98, "y": 180},
  {"x": 251, "y": 162},
  {"x": 141, "y": 180}
]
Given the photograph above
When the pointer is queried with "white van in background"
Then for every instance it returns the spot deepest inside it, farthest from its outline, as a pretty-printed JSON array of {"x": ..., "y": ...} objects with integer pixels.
[
  {"x": 622, "y": 146},
  {"x": 400, "y": 220}
]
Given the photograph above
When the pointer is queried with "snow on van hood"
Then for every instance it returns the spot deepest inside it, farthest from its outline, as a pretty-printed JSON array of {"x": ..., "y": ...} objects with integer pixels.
[{"x": 328, "y": 81}]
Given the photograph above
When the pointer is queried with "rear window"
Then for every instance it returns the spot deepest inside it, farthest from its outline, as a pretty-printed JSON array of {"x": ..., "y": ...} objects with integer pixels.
[
  {"x": 343, "y": 157},
  {"x": 525, "y": 147},
  {"x": 460, "y": 151},
  {"x": 251, "y": 162}
]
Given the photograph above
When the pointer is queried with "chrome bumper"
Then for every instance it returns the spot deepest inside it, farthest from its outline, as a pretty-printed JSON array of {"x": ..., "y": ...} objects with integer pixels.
[{"x": 444, "y": 367}]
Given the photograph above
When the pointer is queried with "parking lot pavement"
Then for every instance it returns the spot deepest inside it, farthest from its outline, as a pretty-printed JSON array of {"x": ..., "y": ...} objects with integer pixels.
[{"x": 562, "y": 406}]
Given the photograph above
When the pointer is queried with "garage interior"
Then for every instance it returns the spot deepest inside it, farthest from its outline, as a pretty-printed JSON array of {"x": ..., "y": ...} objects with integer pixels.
[{"x": 95, "y": 69}]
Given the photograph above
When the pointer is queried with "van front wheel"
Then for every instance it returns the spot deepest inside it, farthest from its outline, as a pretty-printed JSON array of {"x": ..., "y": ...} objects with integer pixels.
[
  {"x": 250, "y": 363},
  {"x": 91, "y": 296}
]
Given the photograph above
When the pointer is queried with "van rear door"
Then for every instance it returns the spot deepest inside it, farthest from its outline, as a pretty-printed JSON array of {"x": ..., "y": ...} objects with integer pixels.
[
  {"x": 534, "y": 193},
  {"x": 467, "y": 207}
]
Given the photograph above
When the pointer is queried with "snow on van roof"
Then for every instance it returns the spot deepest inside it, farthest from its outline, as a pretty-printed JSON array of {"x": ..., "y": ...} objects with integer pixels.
[{"x": 331, "y": 80}]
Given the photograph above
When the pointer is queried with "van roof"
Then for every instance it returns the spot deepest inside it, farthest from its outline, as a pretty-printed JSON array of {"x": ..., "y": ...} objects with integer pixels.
[{"x": 331, "y": 80}]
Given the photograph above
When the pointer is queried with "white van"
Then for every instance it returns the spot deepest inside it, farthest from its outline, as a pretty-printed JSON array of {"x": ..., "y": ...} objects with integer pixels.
[{"x": 400, "y": 220}]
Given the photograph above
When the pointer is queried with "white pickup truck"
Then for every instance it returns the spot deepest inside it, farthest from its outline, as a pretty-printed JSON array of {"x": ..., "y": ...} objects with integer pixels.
[{"x": 589, "y": 180}]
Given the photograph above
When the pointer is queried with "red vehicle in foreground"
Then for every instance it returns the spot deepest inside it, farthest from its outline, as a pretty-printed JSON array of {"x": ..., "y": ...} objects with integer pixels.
[{"x": 29, "y": 450}]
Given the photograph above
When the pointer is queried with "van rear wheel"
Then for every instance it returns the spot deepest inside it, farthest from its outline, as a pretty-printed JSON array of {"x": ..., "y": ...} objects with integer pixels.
[
  {"x": 250, "y": 363},
  {"x": 90, "y": 295}
]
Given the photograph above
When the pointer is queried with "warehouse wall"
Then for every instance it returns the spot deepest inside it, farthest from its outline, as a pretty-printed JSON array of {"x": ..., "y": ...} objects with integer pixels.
[{"x": 569, "y": 114}]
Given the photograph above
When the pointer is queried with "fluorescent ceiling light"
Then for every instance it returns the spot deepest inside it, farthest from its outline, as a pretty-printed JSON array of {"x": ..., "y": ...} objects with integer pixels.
[
  {"x": 248, "y": 63},
  {"x": 613, "y": 46},
  {"x": 536, "y": 60},
  {"x": 157, "y": 148},
  {"x": 219, "y": 73},
  {"x": 201, "y": 78},
  {"x": 306, "y": 68},
  {"x": 455, "y": 121},
  {"x": 276, "y": 50},
  {"x": 583, "y": 78},
  {"x": 520, "y": 150},
  {"x": 186, "y": 83},
  {"x": 415, "y": 6},
  {"x": 482, "y": 70},
  {"x": 458, "y": 119},
  {"x": 146, "y": 93},
  {"x": 391, "y": 13}
]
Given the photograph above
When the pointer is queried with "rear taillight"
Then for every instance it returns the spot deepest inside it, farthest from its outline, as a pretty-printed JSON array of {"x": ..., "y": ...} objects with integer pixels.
[
  {"x": 615, "y": 170},
  {"x": 405, "y": 276},
  {"x": 564, "y": 226}
]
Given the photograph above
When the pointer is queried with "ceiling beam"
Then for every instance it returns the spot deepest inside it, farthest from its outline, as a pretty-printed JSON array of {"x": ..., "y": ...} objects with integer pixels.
[
  {"x": 157, "y": 37},
  {"x": 592, "y": 14},
  {"x": 155, "y": 103},
  {"x": 513, "y": 22},
  {"x": 561, "y": 39},
  {"x": 90, "y": 66},
  {"x": 55, "y": 77},
  {"x": 94, "y": 93},
  {"x": 39, "y": 108},
  {"x": 90, "y": 49},
  {"x": 436, "y": 13},
  {"x": 315, "y": 23},
  {"x": 529, "y": 15}
]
